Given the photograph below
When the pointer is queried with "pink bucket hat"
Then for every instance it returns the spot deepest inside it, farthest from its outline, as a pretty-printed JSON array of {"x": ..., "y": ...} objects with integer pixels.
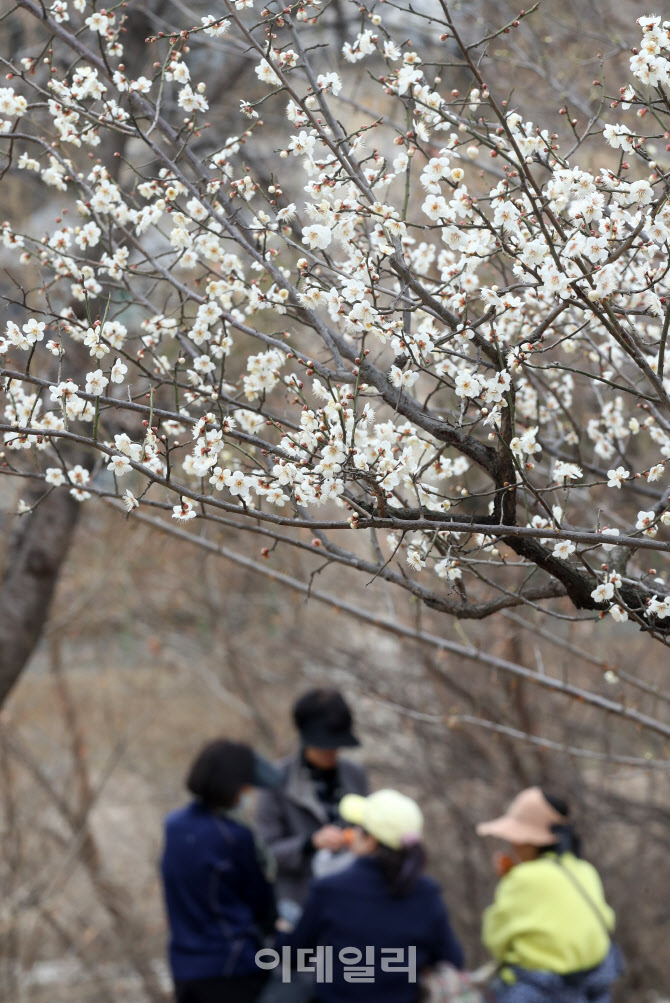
[{"x": 529, "y": 819}]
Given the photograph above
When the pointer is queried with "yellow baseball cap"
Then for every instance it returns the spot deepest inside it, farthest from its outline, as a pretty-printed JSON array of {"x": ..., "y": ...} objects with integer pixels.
[{"x": 391, "y": 817}]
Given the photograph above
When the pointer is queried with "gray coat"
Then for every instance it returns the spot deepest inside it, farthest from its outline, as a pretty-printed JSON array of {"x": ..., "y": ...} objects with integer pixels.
[{"x": 288, "y": 814}]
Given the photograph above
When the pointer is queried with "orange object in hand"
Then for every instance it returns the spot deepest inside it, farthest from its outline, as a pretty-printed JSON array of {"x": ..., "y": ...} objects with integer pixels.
[
  {"x": 348, "y": 836},
  {"x": 503, "y": 864}
]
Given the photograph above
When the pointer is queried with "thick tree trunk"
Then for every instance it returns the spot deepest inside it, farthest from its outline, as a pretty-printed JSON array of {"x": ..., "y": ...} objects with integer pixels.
[{"x": 36, "y": 551}]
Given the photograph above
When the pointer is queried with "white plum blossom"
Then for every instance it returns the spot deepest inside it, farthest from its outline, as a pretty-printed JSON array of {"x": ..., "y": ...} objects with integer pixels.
[
  {"x": 129, "y": 500},
  {"x": 435, "y": 207},
  {"x": 119, "y": 465},
  {"x": 603, "y": 592},
  {"x": 361, "y": 47},
  {"x": 659, "y": 608},
  {"x": 563, "y": 549},
  {"x": 330, "y": 82},
  {"x": 203, "y": 365},
  {"x": 16, "y": 336},
  {"x": 467, "y": 384},
  {"x": 404, "y": 380},
  {"x": 525, "y": 443},
  {"x": 79, "y": 478},
  {"x": 96, "y": 382},
  {"x": 609, "y": 532},
  {"x": 215, "y": 27},
  {"x": 238, "y": 484},
  {"x": 645, "y": 521},
  {"x": 118, "y": 372},
  {"x": 12, "y": 103},
  {"x": 618, "y": 136},
  {"x": 219, "y": 478},
  {"x": 34, "y": 331},
  {"x": 448, "y": 570},
  {"x": 55, "y": 476},
  {"x": 317, "y": 236},
  {"x": 414, "y": 560},
  {"x": 192, "y": 100},
  {"x": 100, "y": 22},
  {"x": 401, "y": 309},
  {"x": 302, "y": 145},
  {"x": 617, "y": 477},
  {"x": 265, "y": 72},
  {"x": 567, "y": 471},
  {"x": 63, "y": 391},
  {"x": 184, "y": 512}
]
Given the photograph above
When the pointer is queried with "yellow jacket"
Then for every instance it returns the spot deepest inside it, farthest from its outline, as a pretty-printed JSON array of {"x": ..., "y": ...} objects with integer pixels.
[{"x": 539, "y": 919}]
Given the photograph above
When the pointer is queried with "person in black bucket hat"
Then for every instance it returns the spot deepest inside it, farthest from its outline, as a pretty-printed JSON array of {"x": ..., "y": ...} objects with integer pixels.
[
  {"x": 218, "y": 898},
  {"x": 324, "y": 720},
  {"x": 298, "y": 820}
]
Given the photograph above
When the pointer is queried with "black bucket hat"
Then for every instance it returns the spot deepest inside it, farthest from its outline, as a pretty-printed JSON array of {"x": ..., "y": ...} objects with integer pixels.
[{"x": 324, "y": 720}]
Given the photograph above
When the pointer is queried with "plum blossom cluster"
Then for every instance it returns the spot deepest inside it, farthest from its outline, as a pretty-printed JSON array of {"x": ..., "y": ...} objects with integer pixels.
[{"x": 377, "y": 332}]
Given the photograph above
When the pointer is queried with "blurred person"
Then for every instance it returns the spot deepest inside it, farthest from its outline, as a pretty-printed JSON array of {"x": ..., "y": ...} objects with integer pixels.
[
  {"x": 381, "y": 906},
  {"x": 549, "y": 926},
  {"x": 298, "y": 820},
  {"x": 218, "y": 898}
]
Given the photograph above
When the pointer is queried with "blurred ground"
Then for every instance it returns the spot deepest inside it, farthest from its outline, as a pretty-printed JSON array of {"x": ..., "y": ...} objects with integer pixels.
[{"x": 136, "y": 671}]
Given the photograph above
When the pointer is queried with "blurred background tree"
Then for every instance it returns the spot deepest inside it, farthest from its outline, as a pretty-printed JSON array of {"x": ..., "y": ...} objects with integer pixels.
[{"x": 160, "y": 636}]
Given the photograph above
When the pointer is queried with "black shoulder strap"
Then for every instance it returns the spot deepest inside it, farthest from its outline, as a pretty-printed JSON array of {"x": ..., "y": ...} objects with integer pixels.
[{"x": 584, "y": 894}]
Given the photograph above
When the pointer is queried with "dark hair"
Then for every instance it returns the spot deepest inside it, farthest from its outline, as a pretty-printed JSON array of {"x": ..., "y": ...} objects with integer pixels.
[
  {"x": 219, "y": 772},
  {"x": 401, "y": 868},
  {"x": 327, "y": 707},
  {"x": 567, "y": 839}
]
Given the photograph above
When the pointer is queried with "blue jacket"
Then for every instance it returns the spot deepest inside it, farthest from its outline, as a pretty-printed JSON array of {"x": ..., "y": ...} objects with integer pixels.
[
  {"x": 216, "y": 894},
  {"x": 355, "y": 909}
]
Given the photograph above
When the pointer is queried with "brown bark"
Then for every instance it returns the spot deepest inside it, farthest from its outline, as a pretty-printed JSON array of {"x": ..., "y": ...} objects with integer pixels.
[{"x": 36, "y": 551}]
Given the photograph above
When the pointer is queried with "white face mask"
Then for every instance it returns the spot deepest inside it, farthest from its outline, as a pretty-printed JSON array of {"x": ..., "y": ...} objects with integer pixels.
[{"x": 244, "y": 805}]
